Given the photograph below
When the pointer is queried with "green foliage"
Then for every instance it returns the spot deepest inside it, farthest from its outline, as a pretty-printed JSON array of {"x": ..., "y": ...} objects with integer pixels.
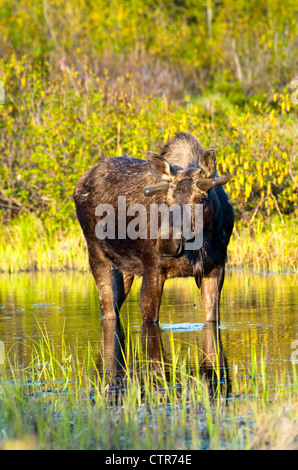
[
  {"x": 54, "y": 130},
  {"x": 250, "y": 44},
  {"x": 91, "y": 79}
]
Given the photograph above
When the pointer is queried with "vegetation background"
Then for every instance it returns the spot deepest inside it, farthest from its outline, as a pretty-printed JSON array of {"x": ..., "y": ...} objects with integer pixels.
[{"x": 87, "y": 79}]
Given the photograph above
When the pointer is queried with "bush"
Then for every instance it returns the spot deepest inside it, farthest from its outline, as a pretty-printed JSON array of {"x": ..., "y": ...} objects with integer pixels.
[
  {"x": 169, "y": 46},
  {"x": 55, "y": 129}
]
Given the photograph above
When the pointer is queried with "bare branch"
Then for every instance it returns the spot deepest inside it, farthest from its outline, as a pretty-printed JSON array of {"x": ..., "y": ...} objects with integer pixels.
[{"x": 292, "y": 160}]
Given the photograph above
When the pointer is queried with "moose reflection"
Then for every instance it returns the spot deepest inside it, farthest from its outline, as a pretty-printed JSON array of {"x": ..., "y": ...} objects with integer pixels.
[
  {"x": 118, "y": 359},
  {"x": 214, "y": 366}
]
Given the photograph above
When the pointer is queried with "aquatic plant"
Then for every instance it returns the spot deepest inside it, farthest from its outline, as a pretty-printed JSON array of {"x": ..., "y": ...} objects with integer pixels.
[{"x": 64, "y": 397}]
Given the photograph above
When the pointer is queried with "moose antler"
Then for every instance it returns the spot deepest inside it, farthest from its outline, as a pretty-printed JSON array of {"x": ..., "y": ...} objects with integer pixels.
[{"x": 209, "y": 183}]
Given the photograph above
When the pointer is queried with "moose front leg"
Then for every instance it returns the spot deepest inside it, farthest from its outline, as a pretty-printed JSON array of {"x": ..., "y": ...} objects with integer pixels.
[
  {"x": 210, "y": 290},
  {"x": 151, "y": 292}
]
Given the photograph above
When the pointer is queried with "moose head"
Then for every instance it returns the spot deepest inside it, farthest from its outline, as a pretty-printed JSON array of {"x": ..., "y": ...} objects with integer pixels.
[{"x": 182, "y": 186}]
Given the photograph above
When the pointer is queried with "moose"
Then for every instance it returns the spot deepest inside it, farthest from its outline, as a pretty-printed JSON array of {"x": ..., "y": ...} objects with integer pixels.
[{"x": 184, "y": 173}]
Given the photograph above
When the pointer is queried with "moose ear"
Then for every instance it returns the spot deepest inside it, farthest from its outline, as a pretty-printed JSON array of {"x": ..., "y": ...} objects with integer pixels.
[
  {"x": 208, "y": 163},
  {"x": 160, "y": 167}
]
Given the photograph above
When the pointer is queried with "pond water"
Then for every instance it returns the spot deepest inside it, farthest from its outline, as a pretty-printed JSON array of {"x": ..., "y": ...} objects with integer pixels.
[{"x": 258, "y": 310}]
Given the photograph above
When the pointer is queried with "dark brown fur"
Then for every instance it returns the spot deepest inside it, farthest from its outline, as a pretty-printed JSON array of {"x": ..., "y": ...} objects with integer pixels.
[{"x": 114, "y": 263}]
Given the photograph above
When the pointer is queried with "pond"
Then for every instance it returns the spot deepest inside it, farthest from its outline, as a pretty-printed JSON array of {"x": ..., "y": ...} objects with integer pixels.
[
  {"x": 66, "y": 374},
  {"x": 258, "y": 310}
]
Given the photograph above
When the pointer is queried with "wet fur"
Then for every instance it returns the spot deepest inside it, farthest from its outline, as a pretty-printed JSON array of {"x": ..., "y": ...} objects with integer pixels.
[{"x": 118, "y": 261}]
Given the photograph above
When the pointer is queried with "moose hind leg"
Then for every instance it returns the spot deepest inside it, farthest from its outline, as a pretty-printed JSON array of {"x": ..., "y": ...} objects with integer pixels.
[
  {"x": 112, "y": 285},
  {"x": 210, "y": 290},
  {"x": 121, "y": 287},
  {"x": 151, "y": 291}
]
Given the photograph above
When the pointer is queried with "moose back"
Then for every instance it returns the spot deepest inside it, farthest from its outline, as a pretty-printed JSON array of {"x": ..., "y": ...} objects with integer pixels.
[{"x": 182, "y": 175}]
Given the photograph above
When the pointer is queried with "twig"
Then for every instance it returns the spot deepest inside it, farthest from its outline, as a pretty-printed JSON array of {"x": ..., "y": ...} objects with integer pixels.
[
  {"x": 292, "y": 159},
  {"x": 256, "y": 211},
  {"x": 277, "y": 207},
  {"x": 239, "y": 74}
]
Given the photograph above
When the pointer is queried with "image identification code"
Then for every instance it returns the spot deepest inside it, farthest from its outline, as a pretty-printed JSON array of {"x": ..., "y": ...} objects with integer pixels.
[{"x": 154, "y": 459}]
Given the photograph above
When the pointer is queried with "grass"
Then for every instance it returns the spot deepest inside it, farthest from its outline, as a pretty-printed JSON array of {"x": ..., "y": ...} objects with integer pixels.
[
  {"x": 29, "y": 245},
  {"x": 114, "y": 84},
  {"x": 69, "y": 398},
  {"x": 272, "y": 246}
]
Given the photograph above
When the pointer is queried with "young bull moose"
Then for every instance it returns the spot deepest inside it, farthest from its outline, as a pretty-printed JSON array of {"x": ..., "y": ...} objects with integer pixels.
[{"x": 184, "y": 173}]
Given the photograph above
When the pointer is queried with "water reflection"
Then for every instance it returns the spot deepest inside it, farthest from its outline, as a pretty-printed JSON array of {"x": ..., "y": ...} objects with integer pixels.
[
  {"x": 111, "y": 359},
  {"x": 214, "y": 366},
  {"x": 114, "y": 364},
  {"x": 258, "y": 311}
]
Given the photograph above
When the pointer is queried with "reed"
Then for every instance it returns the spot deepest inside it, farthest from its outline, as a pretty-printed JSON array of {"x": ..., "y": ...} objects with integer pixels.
[
  {"x": 65, "y": 398},
  {"x": 272, "y": 245}
]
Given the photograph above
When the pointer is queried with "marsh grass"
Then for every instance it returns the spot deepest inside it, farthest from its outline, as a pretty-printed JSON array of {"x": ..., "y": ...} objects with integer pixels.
[
  {"x": 273, "y": 245},
  {"x": 67, "y": 397},
  {"x": 29, "y": 245}
]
